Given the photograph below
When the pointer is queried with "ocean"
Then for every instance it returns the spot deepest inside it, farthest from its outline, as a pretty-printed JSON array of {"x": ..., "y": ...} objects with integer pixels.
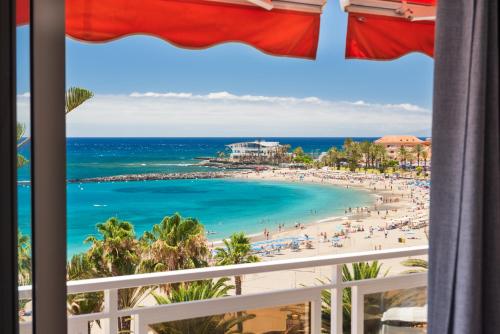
[{"x": 224, "y": 206}]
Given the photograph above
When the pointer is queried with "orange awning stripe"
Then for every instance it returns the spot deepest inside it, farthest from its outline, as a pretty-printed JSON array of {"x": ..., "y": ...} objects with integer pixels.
[
  {"x": 193, "y": 24},
  {"x": 386, "y": 38}
]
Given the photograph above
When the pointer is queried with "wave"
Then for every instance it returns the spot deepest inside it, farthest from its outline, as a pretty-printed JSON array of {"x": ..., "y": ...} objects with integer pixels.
[
  {"x": 162, "y": 164},
  {"x": 171, "y": 164},
  {"x": 100, "y": 205}
]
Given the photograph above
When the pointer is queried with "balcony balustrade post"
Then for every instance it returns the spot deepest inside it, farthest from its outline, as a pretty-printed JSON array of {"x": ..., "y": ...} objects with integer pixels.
[
  {"x": 357, "y": 310},
  {"x": 140, "y": 325},
  {"x": 316, "y": 314},
  {"x": 336, "y": 312},
  {"x": 111, "y": 307}
]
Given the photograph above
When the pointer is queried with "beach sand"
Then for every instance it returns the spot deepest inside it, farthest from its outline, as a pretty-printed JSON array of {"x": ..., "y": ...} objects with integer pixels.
[{"x": 396, "y": 201}]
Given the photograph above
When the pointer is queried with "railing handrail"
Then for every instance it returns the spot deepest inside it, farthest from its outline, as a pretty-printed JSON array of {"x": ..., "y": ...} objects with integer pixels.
[{"x": 130, "y": 281}]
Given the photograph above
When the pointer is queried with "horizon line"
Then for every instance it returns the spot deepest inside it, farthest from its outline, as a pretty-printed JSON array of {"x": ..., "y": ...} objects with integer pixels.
[{"x": 221, "y": 137}]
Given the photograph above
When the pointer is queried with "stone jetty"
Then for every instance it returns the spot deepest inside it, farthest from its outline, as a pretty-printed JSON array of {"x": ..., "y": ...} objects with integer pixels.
[{"x": 154, "y": 177}]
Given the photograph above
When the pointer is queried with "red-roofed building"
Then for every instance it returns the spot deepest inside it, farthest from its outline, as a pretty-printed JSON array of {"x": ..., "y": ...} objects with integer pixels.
[{"x": 393, "y": 143}]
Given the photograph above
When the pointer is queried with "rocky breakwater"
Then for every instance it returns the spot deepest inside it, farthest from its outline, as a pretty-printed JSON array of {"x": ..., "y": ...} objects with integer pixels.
[{"x": 154, "y": 177}]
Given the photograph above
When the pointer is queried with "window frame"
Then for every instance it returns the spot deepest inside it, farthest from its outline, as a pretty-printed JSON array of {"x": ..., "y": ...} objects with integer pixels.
[
  {"x": 8, "y": 170},
  {"x": 48, "y": 166}
]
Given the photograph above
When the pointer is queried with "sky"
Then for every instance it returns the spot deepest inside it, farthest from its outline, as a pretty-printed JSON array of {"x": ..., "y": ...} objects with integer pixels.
[{"x": 146, "y": 87}]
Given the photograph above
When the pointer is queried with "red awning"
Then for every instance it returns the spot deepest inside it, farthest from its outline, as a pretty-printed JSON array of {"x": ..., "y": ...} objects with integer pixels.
[
  {"x": 197, "y": 24},
  {"x": 387, "y": 38},
  {"x": 22, "y": 12},
  {"x": 377, "y": 29},
  {"x": 389, "y": 29}
]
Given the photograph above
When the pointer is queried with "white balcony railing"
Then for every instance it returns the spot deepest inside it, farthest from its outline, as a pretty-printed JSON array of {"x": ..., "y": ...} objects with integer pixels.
[{"x": 144, "y": 316}]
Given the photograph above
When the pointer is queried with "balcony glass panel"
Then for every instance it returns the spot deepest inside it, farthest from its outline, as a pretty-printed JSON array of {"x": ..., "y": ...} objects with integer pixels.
[
  {"x": 396, "y": 312},
  {"x": 289, "y": 319}
]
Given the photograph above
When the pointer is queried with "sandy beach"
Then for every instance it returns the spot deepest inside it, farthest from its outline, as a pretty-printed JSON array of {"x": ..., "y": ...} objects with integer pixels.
[{"x": 397, "y": 218}]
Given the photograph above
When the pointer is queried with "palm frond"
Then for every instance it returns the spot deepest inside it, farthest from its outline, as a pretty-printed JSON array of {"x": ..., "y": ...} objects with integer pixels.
[
  {"x": 75, "y": 97},
  {"x": 418, "y": 263}
]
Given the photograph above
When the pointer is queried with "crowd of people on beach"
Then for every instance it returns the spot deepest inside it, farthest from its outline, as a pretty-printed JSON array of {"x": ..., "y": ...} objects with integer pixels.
[{"x": 401, "y": 205}]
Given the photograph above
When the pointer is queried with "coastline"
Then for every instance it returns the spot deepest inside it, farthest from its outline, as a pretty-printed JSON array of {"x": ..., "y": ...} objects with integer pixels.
[
  {"x": 260, "y": 176},
  {"x": 368, "y": 182},
  {"x": 398, "y": 217}
]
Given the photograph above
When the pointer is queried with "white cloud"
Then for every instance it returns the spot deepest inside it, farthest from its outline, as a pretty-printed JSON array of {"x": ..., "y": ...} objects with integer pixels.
[
  {"x": 23, "y": 110},
  {"x": 225, "y": 114},
  {"x": 226, "y": 96}
]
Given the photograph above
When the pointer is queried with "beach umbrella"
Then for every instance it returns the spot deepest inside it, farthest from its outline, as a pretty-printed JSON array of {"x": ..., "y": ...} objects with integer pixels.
[{"x": 377, "y": 29}]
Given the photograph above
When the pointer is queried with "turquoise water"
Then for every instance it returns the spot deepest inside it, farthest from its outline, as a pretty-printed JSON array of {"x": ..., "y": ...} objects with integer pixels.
[{"x": 224, "y": 206}]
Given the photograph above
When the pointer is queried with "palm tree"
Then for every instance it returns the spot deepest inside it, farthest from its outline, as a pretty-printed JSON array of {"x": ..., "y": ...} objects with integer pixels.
[
  {"x": 347, "y": 143},
  {"x": 341, "y": 157},
  {"x": 117, "y": 253},
  {"x": 330, "y": 158},
  {"x": 380, "y": 156},
  {"x": 403, "y": 155},
  {"x": 80, "y": 267},
  {"x": 237, "y": 250},
  {"x": 216, "y": 324},
  {"x": 366, "y": 148},
  {"x": 410, "y": 158},
  {"x": 360, "y": 271},
  {"x": 298, "y": 152},
  {"x": 175, "y": 243},
  {"x": 353, "y": 154},
  {"x": 283, "y": 153},
  {"x": 418, "y": 150},
  {"x": 23, "y": 258},
  {"x": 425, "y": 157}
]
